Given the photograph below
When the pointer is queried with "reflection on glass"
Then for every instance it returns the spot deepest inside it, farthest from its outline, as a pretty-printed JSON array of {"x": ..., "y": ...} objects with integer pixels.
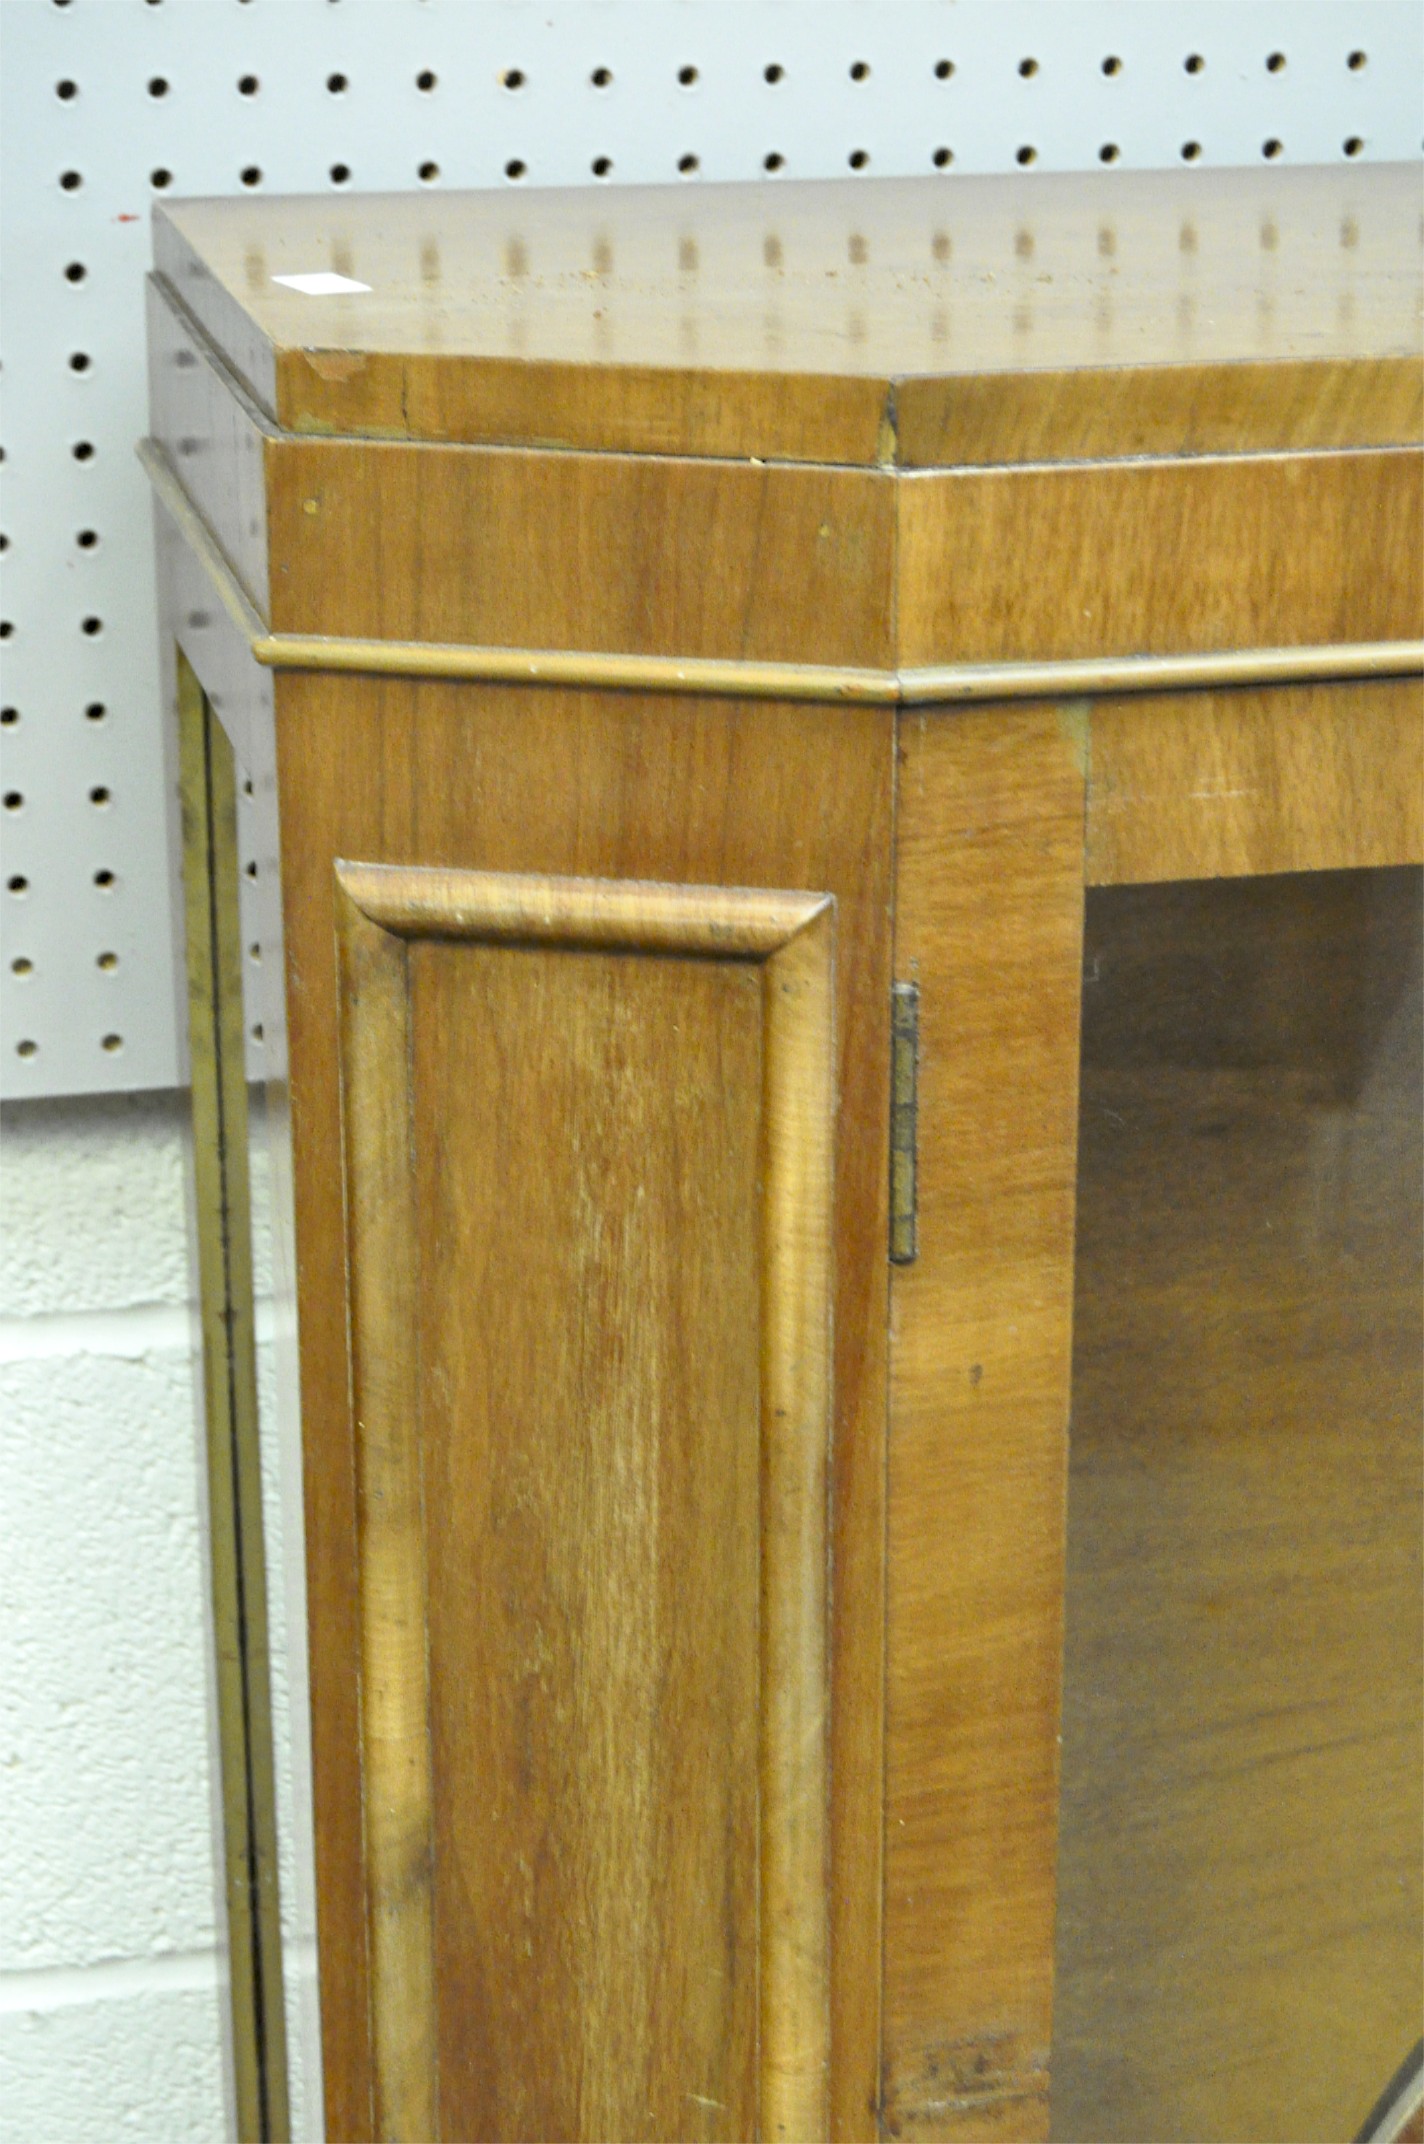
[
  {"x": 1239, "y": 1950},
  {"x": 279, "y": 1435}
]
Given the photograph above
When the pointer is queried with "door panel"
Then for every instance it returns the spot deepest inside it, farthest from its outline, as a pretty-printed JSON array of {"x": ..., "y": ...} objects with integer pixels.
[{"x": 587, "y": 1130}]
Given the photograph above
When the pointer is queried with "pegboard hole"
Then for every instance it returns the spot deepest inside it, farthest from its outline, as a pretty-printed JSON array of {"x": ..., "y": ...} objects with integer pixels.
[
  {"x": 96, "y": 711},
  {"x": 773, "y": 73},
  {"x": 22, "y": 965},
  {"x": 248, "y": 85},
  {"x": 1109, "y": 153},
  {"x": 516, "y": 167},
  {"x": 100, "y": 797},
  {"x": 9, "y": 717},
  {"x": 71, "y": 181},
  {"x": 83, "y": 450},
  {"x": 1028, "y": 69},
  {"x": 65, "y": 90},
  {"x": 1026, "y": 155},
  {"x": 942, "y": 159},
  {"x": 340, "y": 174},
  {"x": 600, "y": 167},
  {"x": 1272, "y": 149},
  {"x": 104, "y": 880},
  {"x": 108, "y": 962},
  {"x": 773, "y": 161},
  {"x": 1194, "y": 63},
  {"x": 858, "y": 159},
  {"x": 7, "y": 627},
  {"x": 602, "y": 77},
  {"x": 512, "y": 78},
  {"x": 251, "y": 174},
  {"x": 26, "y": 1048},
  {"x": 429, "y": 173},
  {"x": 337, "y": 84},
  {"x": 943, "y": 70},
  {"x": 17, "y": 884},
  {"x": 250, "y": 867},
  {"x": 1356, "y": 61},
  {"x": 157, "y": 86},
  {"x": 689, "y": 165},
  {"x": 688, "y": 77},
  {"x": 1191, "y": 150},
  {"x": 112, "y": 1043},
  {"x": 1275, "y": 61},
  {"x": 160, "y": 178},
  {"x": 75, "y": 272},
  {"x": 87, "y": 538},
  {"x": 14, "y": 800},
  {"x": 860, "y": 70},
  {"x": 79, "y": 361},
  {"x": 4, "y": 541},
  {"x": 426, "y": 80},
  {"x": 1353, "y": 145},
  {"x": 91, "y": 628},
  {"x": 1112, "y": 64},
  {"x": 254, "y": 951},
  {"x": 256, "y": 1031}
]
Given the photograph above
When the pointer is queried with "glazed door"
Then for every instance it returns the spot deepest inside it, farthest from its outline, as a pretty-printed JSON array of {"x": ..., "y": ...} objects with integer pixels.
[
  {"x": 1240, "y": 1868},
  {"x": 1207, "y": 905}
]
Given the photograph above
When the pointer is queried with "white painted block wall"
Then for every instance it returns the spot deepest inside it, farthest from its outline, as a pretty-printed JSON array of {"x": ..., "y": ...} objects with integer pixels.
[
  {"x": 111, "y": 1956},
  {"x": 110, "y": 1965}
]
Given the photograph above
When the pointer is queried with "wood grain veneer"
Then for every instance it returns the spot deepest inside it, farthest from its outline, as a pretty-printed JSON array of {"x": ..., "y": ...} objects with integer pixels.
[
  {"x": 476, "y": 794},
  {"x": 1159, "y": 557},
  {"x": 654, "y": 1415},
  {"x": 988, "y": 918},
  {"x": 626, "y": 553},
  {"x": 1230, "y": 784},
  {"x": 674, "y": 523},
  {"x": 931, "y": 321}
]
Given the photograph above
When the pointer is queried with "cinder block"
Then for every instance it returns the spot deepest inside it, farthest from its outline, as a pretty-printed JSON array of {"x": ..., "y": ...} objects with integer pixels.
[
  {"x": 145, "y": 2068},
  {"x": 105, "y": 1734},
  {"x": 104, "y": 1767},
  {"x": 92, "y": 1213}
]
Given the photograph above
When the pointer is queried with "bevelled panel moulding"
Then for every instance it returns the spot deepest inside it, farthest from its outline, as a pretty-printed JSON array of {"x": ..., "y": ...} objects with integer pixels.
[{"x": 587, "y": 1144}]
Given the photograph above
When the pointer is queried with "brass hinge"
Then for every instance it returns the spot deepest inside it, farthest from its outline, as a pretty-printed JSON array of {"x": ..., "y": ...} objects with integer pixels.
[{"x": 904, "y": 1105}]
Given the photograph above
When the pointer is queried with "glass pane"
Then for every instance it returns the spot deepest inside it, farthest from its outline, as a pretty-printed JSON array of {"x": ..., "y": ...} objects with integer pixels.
[
  {"x": 279, "y": 1428},
  {"x": 1239, "y": 1950},
  {"x": 251, "y": 1432}
]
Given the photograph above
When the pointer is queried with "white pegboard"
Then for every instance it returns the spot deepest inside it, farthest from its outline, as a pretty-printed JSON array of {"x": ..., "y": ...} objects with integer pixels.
[{"x": 107, "y": 103}]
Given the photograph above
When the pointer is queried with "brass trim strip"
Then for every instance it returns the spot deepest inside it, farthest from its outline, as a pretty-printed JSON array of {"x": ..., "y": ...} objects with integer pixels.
[
  {"x": 237, "y": 1572},
  {"x": 1103, "y": 675},
  {"x": 937, "y": 684},
  {"x": 705, "y": 675},
  {"x": 904, "y": 1122}
]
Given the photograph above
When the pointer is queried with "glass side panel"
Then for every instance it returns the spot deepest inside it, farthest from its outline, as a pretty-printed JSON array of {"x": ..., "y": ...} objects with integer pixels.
[
  {"x": 242, "y": 1212},
  {"x": 1239, "y": 1946},
  {"x": 279, "y": 1425}
]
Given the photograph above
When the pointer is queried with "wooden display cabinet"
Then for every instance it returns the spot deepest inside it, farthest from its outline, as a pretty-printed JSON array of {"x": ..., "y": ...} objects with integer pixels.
[{"x": 691, "y": 650}]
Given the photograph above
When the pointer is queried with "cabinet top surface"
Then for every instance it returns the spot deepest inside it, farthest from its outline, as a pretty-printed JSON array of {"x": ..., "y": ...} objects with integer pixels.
[{"x": 913, "y": 321}]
